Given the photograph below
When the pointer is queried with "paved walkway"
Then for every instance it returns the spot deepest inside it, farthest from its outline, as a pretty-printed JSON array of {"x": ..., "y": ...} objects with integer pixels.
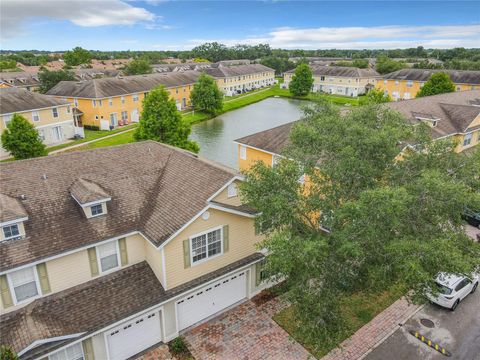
[
  {"x": 372, "y": 334},
  {"x": 247, "y": 332},
  {"x": 159, "y": 353}
]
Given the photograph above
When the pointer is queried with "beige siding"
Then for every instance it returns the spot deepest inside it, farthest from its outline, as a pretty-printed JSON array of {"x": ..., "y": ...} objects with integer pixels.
[
  {"x": 224, "y": 199},
  {"x": 154, "y": 259},
  {"x": 136, "y": 248},
  {"x": 242, "y": 240},
  {"x": 68, "y": 271}
]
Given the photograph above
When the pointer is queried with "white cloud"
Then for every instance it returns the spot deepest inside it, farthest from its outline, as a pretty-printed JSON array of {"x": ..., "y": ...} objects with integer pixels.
[
  {"x": 85, "y": 13},
  {"x": 397, "y": 36}
]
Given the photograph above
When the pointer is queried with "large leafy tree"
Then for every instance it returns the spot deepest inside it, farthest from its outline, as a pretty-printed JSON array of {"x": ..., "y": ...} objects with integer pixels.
[
  {"x": 138, "y": 67},
  {"x": 438, "y": 83},
  {"x": 21, "y": 139},
  {"x": 394, "y": 222},
  {"x": 77, "y": 56},
  {"x": 375, "y": 96},
  {"x": 206, "y": 96},
  {"x": 302, "y": 81},
  {"x": 161, "y": 121},
  {"x": 385, "y": 65},
  {"x": 48, "y": 79}
]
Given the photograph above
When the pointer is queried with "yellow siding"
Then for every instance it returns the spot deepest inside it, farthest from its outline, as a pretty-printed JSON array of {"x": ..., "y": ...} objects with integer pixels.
[
  {"x": 242, "y": 240},
  {"x": 225, "y": 199},
  {"x": 233, "y": 83},
  {"x": 46, "y": 116},
  {"x": 154, "y": 259},
  {"x": 253, "y": 155}
]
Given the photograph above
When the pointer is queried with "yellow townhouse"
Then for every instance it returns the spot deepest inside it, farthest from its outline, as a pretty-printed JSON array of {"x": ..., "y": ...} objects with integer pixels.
[
  {"x": 453, "y": 115},
  {"x": 107, "y": 103},
  {"x": 53, "y": 118},
  {"x": 406, "y": 83},
  {"x": 238, "y": 79},
  {"x": 106, "y": 255},
  {"x": 339, "y": 80}
]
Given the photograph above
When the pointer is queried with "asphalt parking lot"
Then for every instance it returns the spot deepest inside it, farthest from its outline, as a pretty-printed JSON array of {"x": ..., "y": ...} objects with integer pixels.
[{"x": 458, "y": 332}]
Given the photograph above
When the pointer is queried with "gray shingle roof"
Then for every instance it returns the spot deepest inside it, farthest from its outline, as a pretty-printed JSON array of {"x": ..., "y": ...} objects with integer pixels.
[
  {"x": 237, "y": 70},
  {"x": 272, "y": 140},
  {"x": 11, "y": 209},
  {"x": 107, "y": 87},
  {"x": 85, "y": 191},
  {"x": 341, "y": 71},
  {"x": 18, "y": 99},
  {"x": 457, "y": 76},
  {"x": 154, "y": 188}
]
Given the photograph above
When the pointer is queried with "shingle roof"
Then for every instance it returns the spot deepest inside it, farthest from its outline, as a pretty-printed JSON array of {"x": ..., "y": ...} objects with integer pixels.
[
  {"x": 94, "y": 305},
  {"x": 154, "y": 188},
  {"x": 107, "y": 87},
  {"x": 18, "y": 99},
  {"x": 20, "y": 78},
  {"x": 341, "y": 71},
  {"x": 272, "y": 140},
  {"x": 237, "y": 70},
  {"x": 11, "y": 209},
  {"x": 454, "y": 111},
  {"x": 86, "y": 191},
  {"x": 457, "y": 76}
]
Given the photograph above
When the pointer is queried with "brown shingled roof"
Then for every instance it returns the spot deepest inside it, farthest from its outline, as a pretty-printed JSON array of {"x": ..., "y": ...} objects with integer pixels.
[
  {"x": 11, "y": 209},
  {"x": 155, "y": 189},
  {"x": 457, "y": 76},
  {"x": 17, "y": 99},
  {"x": 85, "y": 191},
  {"x": 272, "y": 140},
  {"x": 341, "y": 71}
]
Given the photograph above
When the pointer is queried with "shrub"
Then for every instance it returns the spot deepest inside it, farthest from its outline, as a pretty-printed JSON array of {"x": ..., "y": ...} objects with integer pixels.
[
  {"x": 6, "y": 353},
  {"x": 178, "y": 346},
  {"x": 91, "y": 127}
]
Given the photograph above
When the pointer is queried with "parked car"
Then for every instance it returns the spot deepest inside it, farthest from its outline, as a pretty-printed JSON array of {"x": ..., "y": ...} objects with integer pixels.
[
  {"x": 452, "y": 289},
  {"x": 472, "y": 217}
]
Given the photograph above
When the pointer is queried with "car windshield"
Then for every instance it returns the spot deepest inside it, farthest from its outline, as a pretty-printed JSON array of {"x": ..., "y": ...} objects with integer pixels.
[{"x": 442, "y": 289}]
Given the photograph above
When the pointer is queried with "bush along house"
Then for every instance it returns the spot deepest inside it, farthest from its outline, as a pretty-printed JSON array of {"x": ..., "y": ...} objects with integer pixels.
[{"x": 105, "y": 255}]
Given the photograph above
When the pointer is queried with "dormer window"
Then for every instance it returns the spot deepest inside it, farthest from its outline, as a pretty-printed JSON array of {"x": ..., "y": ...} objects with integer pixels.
[
  {"x": 12, "y": 216},
  {"x": 232, "y": 190},
  {"x": 90, "y": 196},
  {"x": 96, "y": 209},
  {"x": 10, "y": 232}
]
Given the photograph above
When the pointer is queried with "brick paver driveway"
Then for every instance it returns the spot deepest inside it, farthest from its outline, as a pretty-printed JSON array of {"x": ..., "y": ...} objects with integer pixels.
[{"x": 247, "y": 332}]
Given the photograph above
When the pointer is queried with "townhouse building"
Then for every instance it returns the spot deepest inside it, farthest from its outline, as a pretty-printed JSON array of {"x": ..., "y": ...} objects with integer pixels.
[
  {"x": 20, "y": 79},
  {"x": 111, "y": 102},
  {"x": 339, "y": 80},
  {"x": 453, "y": 116},
  {"x": 237, "y": 79},
  {"x": 109, "y": 252},
  {"x": 404, "y": 84},
  {"x": 53, "y": 118}
]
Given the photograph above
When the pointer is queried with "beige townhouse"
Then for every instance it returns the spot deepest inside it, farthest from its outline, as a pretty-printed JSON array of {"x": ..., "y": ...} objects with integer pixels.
[
  {"x": 339, "y": 80},
  {"x": 109, "y": 252},
  {"x": 53, "y": 118}
]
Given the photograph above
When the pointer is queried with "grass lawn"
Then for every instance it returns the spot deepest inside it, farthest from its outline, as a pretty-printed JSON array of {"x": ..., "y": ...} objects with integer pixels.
[
  {"x": 357, "y": 310},
  {"x": 115, "y": 140}
]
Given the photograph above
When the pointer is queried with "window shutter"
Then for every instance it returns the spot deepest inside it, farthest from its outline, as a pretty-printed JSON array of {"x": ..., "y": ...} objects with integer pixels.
[
  {"x": 92, "y": 258},
  {"x": 225, "y": 239},
  {"x": 5, "y": 291},
  {"x": 43, "y": 277},
  {"x": 88, "y": 349},
  {"x": 122, "y": 244},
  {"x": 258, "y": 269},
  {"x": 186, "y": 253}
]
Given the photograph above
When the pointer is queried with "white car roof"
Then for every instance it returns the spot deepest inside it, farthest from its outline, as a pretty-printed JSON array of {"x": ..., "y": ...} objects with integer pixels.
[{"x": 448, "y": 280}]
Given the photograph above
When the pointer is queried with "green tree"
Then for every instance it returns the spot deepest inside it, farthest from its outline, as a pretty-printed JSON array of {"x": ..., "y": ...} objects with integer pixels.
[
  {"x": 386, "y": 65},
  {"x": 206, "y": 96},
  {"x": 438, "y": 83},
  {"x": 48, "y": 79},
  {"x": 161, "y": 121},
  {"x": 375, "y": 96},
  {"x": 6, "y": 353},
  {"x": 138, "y": 67},
  {"x": 302, "y": 81},
  {"x": 21, "y": 139},
  {"x": 392, "y": 223},
  {"x": 77, "y": 56}
]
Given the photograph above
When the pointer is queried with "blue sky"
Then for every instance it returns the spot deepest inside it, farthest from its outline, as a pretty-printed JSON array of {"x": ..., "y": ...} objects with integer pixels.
[{"x": 178, "y": 25}]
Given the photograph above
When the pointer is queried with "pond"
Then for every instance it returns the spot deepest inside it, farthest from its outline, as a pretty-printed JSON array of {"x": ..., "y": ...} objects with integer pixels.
[{"x": 216, "y": 136}]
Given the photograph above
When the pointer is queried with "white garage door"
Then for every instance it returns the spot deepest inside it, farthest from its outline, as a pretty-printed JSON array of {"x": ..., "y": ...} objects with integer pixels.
[
  {"x": 211, "y": 299},
  {"x": 134, "y": 336}
]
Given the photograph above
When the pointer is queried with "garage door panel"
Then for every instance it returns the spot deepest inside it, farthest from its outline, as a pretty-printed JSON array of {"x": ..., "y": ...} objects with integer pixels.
[
  {"x": 211, "y": 299},
  {"x": 134, "y": 336}
]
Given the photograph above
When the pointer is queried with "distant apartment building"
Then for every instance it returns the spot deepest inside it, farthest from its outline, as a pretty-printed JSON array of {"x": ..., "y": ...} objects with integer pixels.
[
  {"x": 20, "y": 79},
  {"x": 406, "y": 83},
  {"x": 53, "y": 118},
  {"x": 339, "y": 80},
  {"x": 112, "y": 102}
]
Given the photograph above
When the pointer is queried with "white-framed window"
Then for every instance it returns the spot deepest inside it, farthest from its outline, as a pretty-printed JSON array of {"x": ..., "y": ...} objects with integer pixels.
[
  {"x": 243, "y": 152},
  {"x": 10, "y": 231},
  {"x": 122, "y": 99},
  {"x": 55, "y": 112},
  {"x": 73, "y": 352},
  {"x": 75, "y": 102},
  {"x": 96, "y": 209},
  {"x": 409, "y": 83},
  {"x": 110, "y": 102},
  {"x": 232, "y": 190},
  {"x": 24, "y": 284},
  {"x": 41, "y": 134},
  {"x": 94, "y": 103},
  {"x": 135, "y": 97},
  {"x": 7, "y": 119},
  {"x": 124, "y": 115},
  {"x": 467, "y": 139},
  {"x": 35, "y": 116},
  {"x": 57, "y": 133},
  {"x": 100, "y": 103},
  {"x": 206, "y": 245},
  {"x": 108, "y": 256}
]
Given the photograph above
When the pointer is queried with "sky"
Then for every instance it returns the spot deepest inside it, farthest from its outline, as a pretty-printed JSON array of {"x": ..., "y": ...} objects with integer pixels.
[{"x": 182, "y": 25}]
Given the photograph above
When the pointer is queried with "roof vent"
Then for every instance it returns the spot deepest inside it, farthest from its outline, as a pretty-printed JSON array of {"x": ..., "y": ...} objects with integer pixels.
[
  {"x": 23, "y": 197},
  {"x": 44, "y": 177}
]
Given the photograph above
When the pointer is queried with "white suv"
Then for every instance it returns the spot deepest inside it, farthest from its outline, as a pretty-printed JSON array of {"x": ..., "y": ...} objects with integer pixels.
[{"x": 452, "y": 289}]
